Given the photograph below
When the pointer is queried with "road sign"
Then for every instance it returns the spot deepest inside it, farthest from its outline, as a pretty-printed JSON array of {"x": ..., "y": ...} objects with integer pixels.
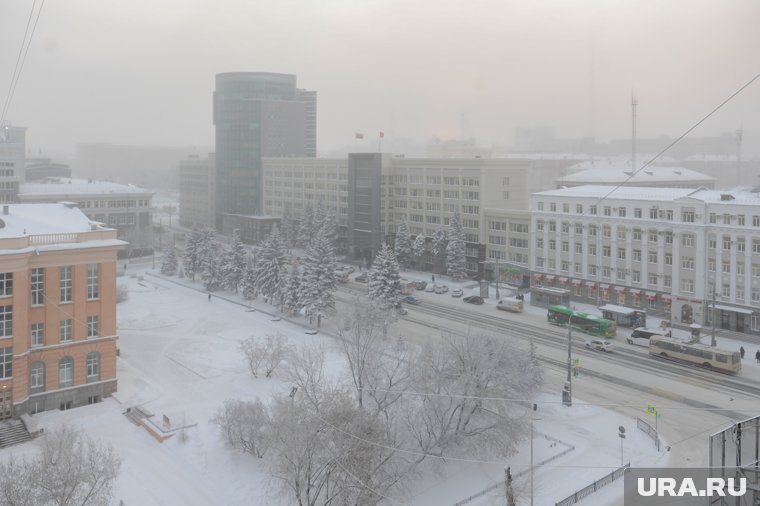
[
  {"x": 577, "y": 362},
  {"x": 651, "y": 409}
]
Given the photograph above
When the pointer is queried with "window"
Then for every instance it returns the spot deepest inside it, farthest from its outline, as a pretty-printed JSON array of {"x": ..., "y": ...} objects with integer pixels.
[
  {"x": 93, "y": 326},
  {"x": 756, "y": 221},
  {"x": 565, "y": 246},
  {"x": 540, "y": 206},
  {"x": 540, "y": 226},
  {"x": 38, "y": 334},
  {"x": 726, "y": 291},
  {"x": 93, "y": 281},
  {"x": 565, "y": 208},
  {"x": 592, "y": 249},
  {"x": 755, "y": 246},
  {"x": 687, "y": 216},
  {"x": 740, "y": 267},
  {"x": 637, "y": 212},
  {"x": 621, "y": 211},
  {"x": 553, "y": 207},
  {"x": 727, "y": 242},
  {"x": 687, "y": 262},
  {"x": 592, "y": 270},
  {"x": 621, "y": 232},
  {"x": 621, "y": 274},
  {"x": 711, "y": 265},
  {"x": 756, "y": 270},
  {"x": 621, "y": 253},
  {"x": 65, "y": 372},
  {"x": 38, "y": 286},
  {"x": 66, "y": 282},
  {"x": 637, "y": 255},
  {"x": 652, "y": 257},
  {"x": 741, "y": 220},
  {"x": 592, "y": 209},
  {"x": 607, "y": 211},
  {"x": 668, "y": 259},
  {"x": 653, "y": 236},
  {"x": 552, "y": 244},
  {"x": 687, "y": 285},
  {"x": 726, "y": 219},
  {"x": 578, "y": 229},
  {"x": 667, "y": 281},
  {"x": 65, "y": 334},
  {"x": 37, "y": 377},
  {"x": 713, "y": 218},
  {"x": 565, "y": 266},
  {"x": 579, "y": 208},
  {"x": 552, "y": 226},
  {"x": 712, "y": 242},
  {"x": 579, "y": 247},
  {"x": 687, "y": 240},
  {"x": 606, "y": 272},
  {"x": 668, "y": 237},
  {"x": 6, "y": 284},
  {"x": 565, "y": 227},
  {"x": 740, "y": 245},
  {"x": 6, "y": 362},
  {"x": 606, "y": 251},
  {"x": 578, "y": 269},
  {"x": 540, "y": 243},
  {"x": 93, "y": 367},
  {"x": 6, "y": 321},
  {"x": 636, "y": 234},
  {"x": 592, "y": 230},
  {"x": 606, "y": 231},
  {"x": 726, "y": 268},
  {"x": 652, "y": 279}
]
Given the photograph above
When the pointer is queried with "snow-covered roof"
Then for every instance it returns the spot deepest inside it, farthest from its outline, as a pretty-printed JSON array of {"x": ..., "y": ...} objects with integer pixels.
[
  {"x": 38, "y": 219},
  {"x": 69, "y": 186},
  {"x": 615, "y": 172},
  {"x": 735, "y": 196}
]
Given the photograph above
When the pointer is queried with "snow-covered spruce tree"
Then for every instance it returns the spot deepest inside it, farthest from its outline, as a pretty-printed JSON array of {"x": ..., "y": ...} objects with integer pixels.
[
  {"x": 292, "y": 301},
  {"x": 306, "y": 227},
  {"x": 456, "y": 264},
  {"x": 169, "y": 262},
  {"x": 270, "y": 268},
  {"x": 330, "y": 227},
  {"x": 234, "y": 263},
  {"x": 286, "y": 228},
  {"x": 318, "y": 279},
  {"x": 212, "y": 274},
  {"x": 439, "y": 242},
  {"x": 418, "y": 250},
  {"x": 403, "y": 247},
  {"x": 248, "y": 284},
  {"x": 192, "y": 256},
  {"x": 384, "y": 279}
]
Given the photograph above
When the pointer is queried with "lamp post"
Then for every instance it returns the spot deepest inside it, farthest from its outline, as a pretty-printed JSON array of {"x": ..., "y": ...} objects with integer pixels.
[
  {"x": 621, "y": 435},
  {"x": 567, "y": 391},
  {"x": 713, "y": 343},
  {"x": 498, "y": 275},
  {"x": 532, "y": 419}
]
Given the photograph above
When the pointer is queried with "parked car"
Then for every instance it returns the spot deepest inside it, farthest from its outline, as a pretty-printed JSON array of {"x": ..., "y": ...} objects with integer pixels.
[
  {"x": 402, "y": 311},
  {"x": 361, "y": 278},
  {"x": 599, "y": 345},
  {"x": 473, "y": 299},
  {"x": 510, "y": 304},
  {"x": 441, "y": 289},
  {"x": 457, "y": 292},
  {"x": 420, "y": 285},
  {"x": 430, "y": 288},
  {"x": 411, "y": 299}
]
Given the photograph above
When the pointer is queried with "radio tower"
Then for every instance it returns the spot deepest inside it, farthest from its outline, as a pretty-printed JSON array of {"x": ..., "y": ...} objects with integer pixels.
[
  {"x": 739, "y": 135},
  {"x": 634, "y": 103}
]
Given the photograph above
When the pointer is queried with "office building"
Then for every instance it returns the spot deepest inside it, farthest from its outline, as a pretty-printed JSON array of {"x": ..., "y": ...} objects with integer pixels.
[
  {"x": 197, "y": 192},
  {"x": 12, "y": 161}
]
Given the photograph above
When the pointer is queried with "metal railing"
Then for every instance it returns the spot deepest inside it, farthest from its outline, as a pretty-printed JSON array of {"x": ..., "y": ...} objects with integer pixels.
[
  {"x": 649, "y": 431},
  {"x": 590, "y": 489}
]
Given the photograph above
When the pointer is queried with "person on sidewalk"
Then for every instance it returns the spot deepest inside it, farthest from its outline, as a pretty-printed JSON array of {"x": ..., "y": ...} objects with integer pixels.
[{"x": 209, "y": 297}]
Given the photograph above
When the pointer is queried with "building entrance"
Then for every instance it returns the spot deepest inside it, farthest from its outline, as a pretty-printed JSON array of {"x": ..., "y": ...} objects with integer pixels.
[{"x": 6, "y": 404}]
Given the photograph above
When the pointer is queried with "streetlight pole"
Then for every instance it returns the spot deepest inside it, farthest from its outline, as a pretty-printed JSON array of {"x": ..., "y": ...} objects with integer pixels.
[
  {"x": 498, "y": 275},
  {"x": 532, "y": 419},
  {"x": 567, "y": 392},
  {"x": 713, "y": 343}
]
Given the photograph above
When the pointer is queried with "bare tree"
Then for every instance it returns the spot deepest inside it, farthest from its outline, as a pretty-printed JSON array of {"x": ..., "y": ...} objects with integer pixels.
[
  {"x": 245, "y": 425},
  {"x": 305, "y": 369},
  {"x": 269, "y": 352},
  {"x": 461, "y": 378},
  {"x": 72, "y": 470}
]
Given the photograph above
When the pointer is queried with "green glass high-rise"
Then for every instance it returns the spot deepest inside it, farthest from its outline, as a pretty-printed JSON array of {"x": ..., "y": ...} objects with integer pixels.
[{"x": 257, "y": 114}]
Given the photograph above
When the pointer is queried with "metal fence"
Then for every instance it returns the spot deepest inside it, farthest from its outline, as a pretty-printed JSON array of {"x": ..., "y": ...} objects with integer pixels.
[
  {"x": 493, "y": 487},
  {"x": 590, "y": 489},
  {"x": 649, "y": 430}
]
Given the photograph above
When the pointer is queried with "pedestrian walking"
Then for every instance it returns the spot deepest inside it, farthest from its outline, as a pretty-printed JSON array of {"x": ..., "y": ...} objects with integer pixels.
[
  {"x": 433, "y": 278},
  {"x": 741, "y": 351},
  {"x": 209, "y": 297},
  {"x": 757, "y": 356}
]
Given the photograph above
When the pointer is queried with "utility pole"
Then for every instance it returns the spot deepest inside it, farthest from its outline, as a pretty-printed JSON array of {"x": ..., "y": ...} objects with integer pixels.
[
  {"x": 532, "y": 419},
  {"x": 712, "y": 315},
  {"x": 498, "y": 275},
  {"x": 567, "y": 392}
]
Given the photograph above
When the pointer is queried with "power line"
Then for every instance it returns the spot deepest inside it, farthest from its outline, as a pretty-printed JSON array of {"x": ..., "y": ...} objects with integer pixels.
[
  {"x": 12, "y": 89},
  {"x": 18, "y": 59}
]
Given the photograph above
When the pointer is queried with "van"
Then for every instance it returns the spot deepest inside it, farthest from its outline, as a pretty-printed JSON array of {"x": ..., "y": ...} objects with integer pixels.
[
  {"x": 510, "y": 304},
  {"x": 640, "y": 336}
]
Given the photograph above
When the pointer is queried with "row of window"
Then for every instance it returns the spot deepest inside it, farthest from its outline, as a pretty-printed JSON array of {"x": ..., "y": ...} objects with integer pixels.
[
  {"x": 66, "y": 280},
  {"x": 65, "y": 331},
  {"x": 65, "y": 372}
]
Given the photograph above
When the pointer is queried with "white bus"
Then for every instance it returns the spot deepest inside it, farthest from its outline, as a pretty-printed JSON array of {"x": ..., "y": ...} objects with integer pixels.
[{"x": 695, "y": 353}]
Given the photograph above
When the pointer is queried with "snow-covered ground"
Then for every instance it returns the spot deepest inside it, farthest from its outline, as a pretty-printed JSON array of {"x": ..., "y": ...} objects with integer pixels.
[{"x": 179, "y": 358}]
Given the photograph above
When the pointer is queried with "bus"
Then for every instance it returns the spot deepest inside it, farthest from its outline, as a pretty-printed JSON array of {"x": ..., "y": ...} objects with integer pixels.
[
  {"x": 624, "y": 316},
  {"x": 590, "y": 324},
  {"x": 695, "y": 353}
]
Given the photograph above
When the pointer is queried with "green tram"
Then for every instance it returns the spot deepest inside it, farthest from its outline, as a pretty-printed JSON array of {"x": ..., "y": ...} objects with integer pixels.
[{"x": 590, "y": 324}]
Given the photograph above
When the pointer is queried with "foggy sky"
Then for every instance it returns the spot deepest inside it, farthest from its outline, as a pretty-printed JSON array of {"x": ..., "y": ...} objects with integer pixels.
[{"x": 142, "y": 71}]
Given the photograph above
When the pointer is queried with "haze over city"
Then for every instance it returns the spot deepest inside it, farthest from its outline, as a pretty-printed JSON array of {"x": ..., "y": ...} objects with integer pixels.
[{"x": 142, "y": 72}]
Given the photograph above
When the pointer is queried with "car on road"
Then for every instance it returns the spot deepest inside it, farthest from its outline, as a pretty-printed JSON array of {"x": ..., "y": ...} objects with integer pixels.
[
  {"x": 430, "y": 288},
  {"x": 402, "y": 311},
  {"x": 411, "y": 299},
  {"x": 420, "y": 285},
  {"x": 441, "y": 289},
  {"x": 457, "y": 292},
  {"x": 512, "y": 304},
  {"x": 599, "y": 345},
  {"x": 473, "y": 299},
  {"x": 361, "y": 278}
]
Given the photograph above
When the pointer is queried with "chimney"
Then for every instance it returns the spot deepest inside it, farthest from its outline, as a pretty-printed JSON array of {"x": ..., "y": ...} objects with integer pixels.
[{"x": 5, "y": 210}]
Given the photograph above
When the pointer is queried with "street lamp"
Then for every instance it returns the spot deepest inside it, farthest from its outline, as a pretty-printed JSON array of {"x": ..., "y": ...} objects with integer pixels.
[
  {"x": 532, "y": 419},
  {"x": 621, "y": 435},
  {"x": 567, "y": 391},
  {"x": 498, "y": 275}
]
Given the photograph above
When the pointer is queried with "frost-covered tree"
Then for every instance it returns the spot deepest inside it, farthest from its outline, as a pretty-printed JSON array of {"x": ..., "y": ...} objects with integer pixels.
[
  {"x": 292, "y": 300},
  {"x": 234, "y": 261},
  {"x": 245, "y": 425},
  {"x": 286, "y": 228},
  {"x": 193, "y": 258},
  {"x": 439, "y": 242},
  {"x": 330, "y": 227},
  {"x": 403, "y": 246},
  {"x": 169, "y": 262},
  {"x": 306, "y": 227},
  {"x": 318, "y": 282},
  {"x": 270, "y": 271},
  {"x": 456, "y": 262},
  {"x": 72, "y": 470},
  {"x": 248, "y": 284},
  {"x": 384, "y": 281},
  {"x": 418, "y": 248},
  {"x": 212, "y": 274},
  {"x": 461, "y": 374}
]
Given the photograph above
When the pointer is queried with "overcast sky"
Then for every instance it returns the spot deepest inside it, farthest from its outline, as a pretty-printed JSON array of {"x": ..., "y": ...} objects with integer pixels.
[{"x": 142, "y": 71}]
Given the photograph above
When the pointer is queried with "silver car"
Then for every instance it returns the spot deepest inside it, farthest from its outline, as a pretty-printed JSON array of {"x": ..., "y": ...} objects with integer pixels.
[{"x": 599, "y": 345}]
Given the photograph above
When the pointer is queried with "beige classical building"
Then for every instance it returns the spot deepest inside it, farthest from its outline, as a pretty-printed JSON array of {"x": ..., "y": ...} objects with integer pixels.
[{"x": 57, "y": 308}]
